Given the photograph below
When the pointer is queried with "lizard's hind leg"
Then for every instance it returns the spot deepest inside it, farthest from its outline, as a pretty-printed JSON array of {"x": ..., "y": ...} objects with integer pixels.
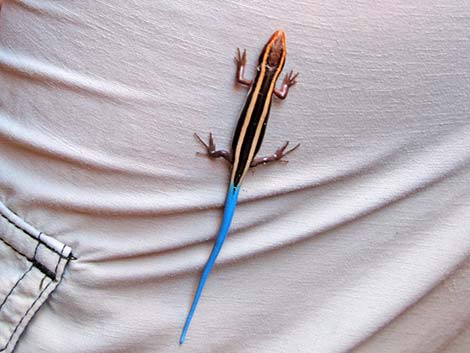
[
  {"x": 276, "y": 156},
  {"x": 211, "y": 150}
]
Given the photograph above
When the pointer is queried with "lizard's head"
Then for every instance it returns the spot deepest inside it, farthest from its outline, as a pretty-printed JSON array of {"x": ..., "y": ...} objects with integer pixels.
[{"x": 273, "y": 56}]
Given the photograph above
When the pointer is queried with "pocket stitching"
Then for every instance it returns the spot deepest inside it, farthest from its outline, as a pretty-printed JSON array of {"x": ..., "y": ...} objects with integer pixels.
[
  {"x": 26, "y": 313},
  {"x": 16, "y": 285},
  {"x": 33, "y": 303},
  {"x": 22, "y": 276},
  {"x": 31, "y": 235},
  {"x": 38, "y": 265}
]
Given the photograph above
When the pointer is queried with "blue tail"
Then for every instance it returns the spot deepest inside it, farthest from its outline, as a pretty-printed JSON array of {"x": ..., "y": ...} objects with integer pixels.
[{"x": 230, "y": 203}]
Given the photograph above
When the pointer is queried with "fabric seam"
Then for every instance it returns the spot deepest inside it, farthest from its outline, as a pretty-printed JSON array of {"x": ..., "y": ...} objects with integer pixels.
[
  {"x": 31, "y": 235},
  {"x": 37, "y": 264},
  {"x": 22, "y": 318},
  {"x": 32, "y": 304},
  {"x": 15, "y": 285},
  {"x": 22, "y": 277}
]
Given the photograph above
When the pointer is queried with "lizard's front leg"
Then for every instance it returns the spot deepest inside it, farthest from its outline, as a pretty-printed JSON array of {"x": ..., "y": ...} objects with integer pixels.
[
  {"x": 289, "y": 80},
  {"x": 211, "y": 151},
  {"x": 276, "y": 156},
  {"x": 240, "y": 59}
]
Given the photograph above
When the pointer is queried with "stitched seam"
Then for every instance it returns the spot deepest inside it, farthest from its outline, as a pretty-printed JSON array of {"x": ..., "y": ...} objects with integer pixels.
[
  {"x": 16, "y": 284},
  {"x": 57, "y": 264},
  {"x": 20, "y": 279},
  {"x": 38, "y": 265},
  {"x": 22, "y": 318},
  {"x": 32, "y": 236},
  {"x": 29, "y": 309}
]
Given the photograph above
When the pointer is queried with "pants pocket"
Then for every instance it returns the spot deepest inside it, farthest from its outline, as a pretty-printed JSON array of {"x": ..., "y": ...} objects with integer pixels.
[{"x": 31, "y": 267}]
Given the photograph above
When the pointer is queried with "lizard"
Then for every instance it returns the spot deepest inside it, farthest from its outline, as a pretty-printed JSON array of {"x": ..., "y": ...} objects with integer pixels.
[{"x": 247, "y": 138}]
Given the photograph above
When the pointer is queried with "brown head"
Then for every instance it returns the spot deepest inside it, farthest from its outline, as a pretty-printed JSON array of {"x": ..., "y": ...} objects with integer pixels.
[{"x": 273, "y": 56}]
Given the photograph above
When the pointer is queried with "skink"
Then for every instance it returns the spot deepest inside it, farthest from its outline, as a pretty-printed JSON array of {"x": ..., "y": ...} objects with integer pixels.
[{"x": 248, "y": 137}]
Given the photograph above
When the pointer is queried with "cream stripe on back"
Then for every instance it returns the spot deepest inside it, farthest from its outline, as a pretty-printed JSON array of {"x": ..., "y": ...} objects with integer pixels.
[
  {"x": 249, "y": 112},
  {"x": 263, "y": 115}
]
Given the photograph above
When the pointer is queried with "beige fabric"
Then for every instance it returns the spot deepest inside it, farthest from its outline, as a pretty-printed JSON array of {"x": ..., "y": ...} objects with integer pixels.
[
  {"x": 32, "y": 267},
  {"x": 359, "y": 244}
]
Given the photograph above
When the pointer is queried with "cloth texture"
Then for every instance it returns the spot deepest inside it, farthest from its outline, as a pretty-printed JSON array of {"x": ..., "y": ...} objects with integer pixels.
[
  {"x": 359, "y": 244},
  {"x": 32, "y": 267}
]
